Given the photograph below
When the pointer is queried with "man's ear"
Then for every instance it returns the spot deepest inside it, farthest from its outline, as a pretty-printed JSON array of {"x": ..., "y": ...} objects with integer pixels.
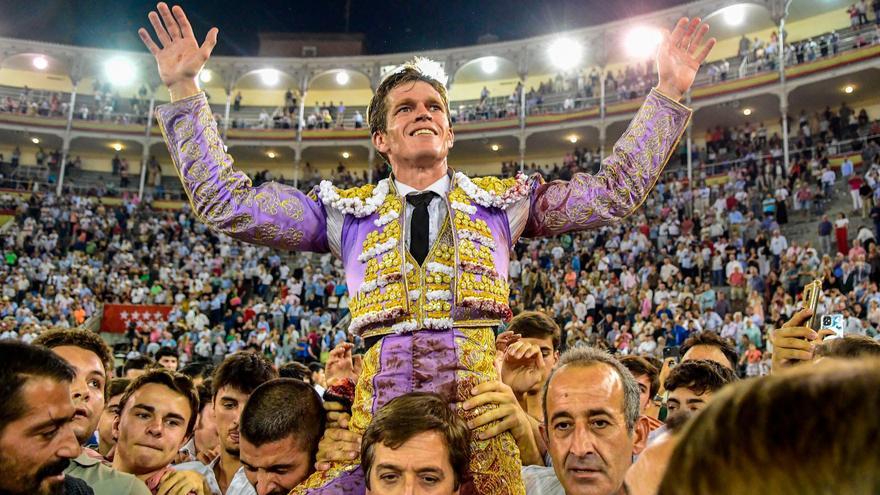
[
  {"x": 542, "y": 429},
  {"x": 114, "y": 430},
  {"x": 450, "y": 140},
  {"x": 640, "y": 440},
  {"x": 380, "y": 142}
]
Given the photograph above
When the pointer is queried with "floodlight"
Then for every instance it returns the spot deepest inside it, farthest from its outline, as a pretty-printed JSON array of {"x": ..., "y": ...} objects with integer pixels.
[
  {"x": 346, "y": 155},
  {"x": 40, "y": 62},
  {"x": 489, "y": 65},
  {"x": 270, "y": 77},
  {"x": 342, "y": 78},
  {"x": 119, "y": 71},
  {"x": 565, "y": 53},
  {"x": 734, "y": 15},
  {"x": 642, "y": 42},
  {"x": 205, "y": 76}
]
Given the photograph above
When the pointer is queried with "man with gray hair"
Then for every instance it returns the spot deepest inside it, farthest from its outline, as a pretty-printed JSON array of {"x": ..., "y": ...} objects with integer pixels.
[{"x": 592, "y": 426}]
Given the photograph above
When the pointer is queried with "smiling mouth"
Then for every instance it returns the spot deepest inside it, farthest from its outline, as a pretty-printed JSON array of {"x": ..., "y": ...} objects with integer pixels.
[
  {"x": 423, "y": 132},
  {"x": 584, "y": 473}
]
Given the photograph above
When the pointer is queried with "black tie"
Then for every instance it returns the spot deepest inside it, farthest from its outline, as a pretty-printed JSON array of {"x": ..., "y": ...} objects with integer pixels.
[{"x": 418, "y": 243}]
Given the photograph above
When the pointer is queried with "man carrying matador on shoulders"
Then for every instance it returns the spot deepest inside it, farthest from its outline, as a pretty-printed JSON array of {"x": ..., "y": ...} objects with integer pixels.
[{"x": 425, "y": 251}]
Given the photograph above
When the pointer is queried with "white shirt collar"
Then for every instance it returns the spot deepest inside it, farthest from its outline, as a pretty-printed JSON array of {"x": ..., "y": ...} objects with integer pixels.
[{"x": 441, "y": 187}]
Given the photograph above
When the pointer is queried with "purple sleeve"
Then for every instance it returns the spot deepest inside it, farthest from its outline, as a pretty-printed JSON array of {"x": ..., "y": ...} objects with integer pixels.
[
  {"x": 623, "y": 184},
  {"x": 224, "y": 198}
]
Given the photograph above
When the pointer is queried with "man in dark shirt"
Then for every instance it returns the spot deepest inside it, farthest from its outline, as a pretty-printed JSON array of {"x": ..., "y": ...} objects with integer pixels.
[{"x": 825, "y": 229}]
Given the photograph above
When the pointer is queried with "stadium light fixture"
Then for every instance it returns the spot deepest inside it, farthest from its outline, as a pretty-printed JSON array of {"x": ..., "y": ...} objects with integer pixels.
[
  {"x": 565, "y": 53},
  {"x": 747, "y": 112},
  {"x": 342, "y": 78},
  {"x": 489, "y": 65},
  {"x": 849, "y": 89},
  {"x": 346, "y": 155},
  {"x": 35, "y": 140},
  {"x": 572, "y": 139},
  {"x": 271, "y": 155},
  {"x": 734, "y": 15},
  {"x": 40, "y": 62},
  {"x": 642, "y": 42},
  {"x": 269, "y": 77},
  {"x": 205, "y": 76},
  {"x": 117, "y": 146},
  {"x": 120, "y": 71},
  {"x": 495, "y": 147}
]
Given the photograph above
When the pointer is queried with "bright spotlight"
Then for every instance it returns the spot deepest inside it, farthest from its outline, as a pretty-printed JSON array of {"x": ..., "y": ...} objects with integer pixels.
[
  {"x": 342, "y": 78},
  {"x": 642, "y": 42},
  {"x": 734, "y": 15},
  {"x": 35, "y": 140},
  {"x": 747, "y": 112},
  {"x": 489, "y": 65},
  {"x": 116, "y": 146},
  {"x": 346, "y": 155},
  {"x": 572, "y": 139},
  {"x": 565, "y": 53},
  {"x": 495, "y": 147},
  {"x": 849, "y": 89},
  {"x": 271, "y": 154},
  {"x": 119, "y": 71},
  {"x": 270, "y": 77},
  {"x": 40, "y": 63},
  {"x": 205, "y": 76}
]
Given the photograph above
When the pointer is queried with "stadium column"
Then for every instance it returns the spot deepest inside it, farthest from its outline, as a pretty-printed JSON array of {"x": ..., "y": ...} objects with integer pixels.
[
  {"x": 690, "y": 160},
  {"x": 147, "y": 131},
  {"x": 523, "y": 72},
  {"x": 522, "y": 122},
  {"x": 297, "y": 158},
  {"x": 371, "y": 159},
  {"x": 779, "y": 16},
  {"x": 228, "y": 108},
  {"x": 300, "y": 126},
  {"x": 65, "y": 151},
  {"x": 602, "y": 74}
]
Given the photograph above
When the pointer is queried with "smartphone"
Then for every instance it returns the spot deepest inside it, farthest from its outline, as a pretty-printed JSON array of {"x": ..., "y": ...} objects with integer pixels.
[
  {"x": 672, "y": 351},
  {"x": 832, "y": 322},
  {"x": 812, "y": 294}
]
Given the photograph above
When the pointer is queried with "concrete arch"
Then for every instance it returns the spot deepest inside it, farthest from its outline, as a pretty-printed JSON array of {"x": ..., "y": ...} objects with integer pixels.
[
  {"x": 251, "y": 79},
  {"x": 473, "y": 71},
  {"x": 130, "y": 146},
  {"x": 18, "y": 70},
  {"x": 814, "y": 96},
  {"x": 326, "y": 79},
  {"x": 559, "y": 141}
]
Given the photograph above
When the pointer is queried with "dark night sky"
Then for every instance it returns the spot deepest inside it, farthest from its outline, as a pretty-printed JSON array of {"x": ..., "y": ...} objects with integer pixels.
[{"x": 390, "y": 26}]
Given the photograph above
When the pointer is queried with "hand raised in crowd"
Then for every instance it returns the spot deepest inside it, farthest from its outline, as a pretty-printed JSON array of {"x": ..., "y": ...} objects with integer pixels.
[
  {"x": 502, "y": 341},
  {"x": 794, "y": 342},
  {"x": 206, "y": 457},
  {"x": 180, "y": 57},
  {"x": 504, "y": 414},
  {"x": 522, "y": 367},
  {"x": 183, "y": 483},
  {"x": 338, "y": 444},
  {"x": 340, "y": 364},
  {"x": 680, "y": 55}
]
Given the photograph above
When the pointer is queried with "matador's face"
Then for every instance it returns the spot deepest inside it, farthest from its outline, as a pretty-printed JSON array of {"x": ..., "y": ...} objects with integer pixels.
[{"x": 417, "y": 132}]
